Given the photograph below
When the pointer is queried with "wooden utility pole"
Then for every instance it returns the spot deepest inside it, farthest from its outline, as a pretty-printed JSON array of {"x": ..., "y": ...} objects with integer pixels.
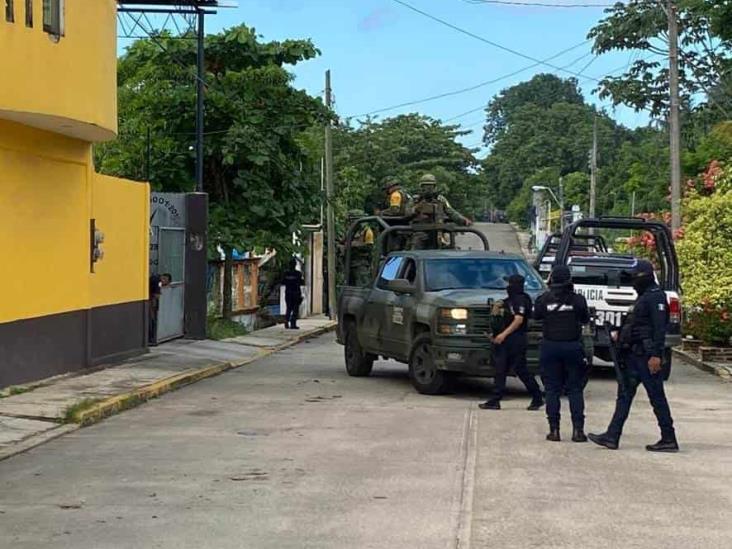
[
  {"x": 593, "y": 169},
  {"x": 674, "y": 124},
  {"x": 330, "y": 215}
]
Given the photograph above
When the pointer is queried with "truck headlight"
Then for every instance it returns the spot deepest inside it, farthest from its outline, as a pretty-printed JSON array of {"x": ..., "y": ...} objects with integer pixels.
[{"x": 454, "y": 314}]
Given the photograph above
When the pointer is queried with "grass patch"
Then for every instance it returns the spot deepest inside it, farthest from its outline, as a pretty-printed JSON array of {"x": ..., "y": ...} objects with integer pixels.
[
  {"x": 72, "y": 411},
  {"x": 219, "y": 328},
  {"x": 15, "y": 390}
]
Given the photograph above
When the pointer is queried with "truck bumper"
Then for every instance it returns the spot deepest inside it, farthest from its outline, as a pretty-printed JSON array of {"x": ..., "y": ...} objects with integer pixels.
[{"x": 472, "y": 361}]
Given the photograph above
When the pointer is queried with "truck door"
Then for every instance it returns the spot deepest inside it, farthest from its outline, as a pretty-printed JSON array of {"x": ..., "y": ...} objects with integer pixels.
[
  {"x": 377, "y": 311},
  {"x": 403, "y": 309}
]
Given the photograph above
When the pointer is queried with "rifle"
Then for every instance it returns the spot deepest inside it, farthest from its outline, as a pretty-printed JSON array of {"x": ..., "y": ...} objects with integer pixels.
[{"x": 618, "y": 363}]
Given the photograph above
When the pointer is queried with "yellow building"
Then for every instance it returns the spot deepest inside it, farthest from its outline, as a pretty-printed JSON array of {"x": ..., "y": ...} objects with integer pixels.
[{"x": 63, "y": 307}]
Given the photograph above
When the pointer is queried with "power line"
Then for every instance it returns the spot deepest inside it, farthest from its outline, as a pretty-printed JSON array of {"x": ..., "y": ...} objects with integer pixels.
[
  {"x": 484, "y": 40},
  {"x": 537, "y": 4},
  {"x": 474, "y": 87}
]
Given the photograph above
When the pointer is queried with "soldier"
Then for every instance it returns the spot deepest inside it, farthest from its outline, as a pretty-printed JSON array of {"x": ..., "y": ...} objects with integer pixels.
[
  {"x": 433, "y": 209},
  {"x": 361, "y": 249},
  {"x": 398, "y": 202},
  {"x": 642, "y": 339}
]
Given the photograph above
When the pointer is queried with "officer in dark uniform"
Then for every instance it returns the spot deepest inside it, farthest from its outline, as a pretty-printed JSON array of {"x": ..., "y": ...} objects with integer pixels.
[
  {"x": 561, "y": 355},
  {"x": 292, "y": 281},
  {"x": 642, "y": 340},
  {"x": 509, "y": 346}
]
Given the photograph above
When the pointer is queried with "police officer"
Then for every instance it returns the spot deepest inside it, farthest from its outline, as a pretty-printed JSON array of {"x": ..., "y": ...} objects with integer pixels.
[
  {"x": 509, "y": 346},
  {"x": 293, "y": 282},
  {"x": 561, "y": 357},
  {"x": 642, "y": 340},
  {"x": 398, "y": 202}
]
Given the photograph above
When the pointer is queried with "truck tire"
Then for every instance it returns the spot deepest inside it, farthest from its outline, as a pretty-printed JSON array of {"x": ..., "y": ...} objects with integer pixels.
[
  {"x": 358, "y": 362},
  {"x": 423, "y": 372}
]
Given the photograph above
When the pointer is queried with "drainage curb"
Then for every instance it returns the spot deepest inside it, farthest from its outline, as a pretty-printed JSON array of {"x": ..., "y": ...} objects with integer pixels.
[{"x": 718, "y": 371}]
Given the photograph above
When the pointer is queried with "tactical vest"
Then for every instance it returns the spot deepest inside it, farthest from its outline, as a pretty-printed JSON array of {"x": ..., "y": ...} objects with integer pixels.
[
  {"x": 560, "y": 321},
  {"x": 501, "y": 317},
  {"x": 429, "y": 211}
]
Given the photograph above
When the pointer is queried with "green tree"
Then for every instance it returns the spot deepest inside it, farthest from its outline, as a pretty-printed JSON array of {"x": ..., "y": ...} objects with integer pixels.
[{"x": 259, "y": 171}]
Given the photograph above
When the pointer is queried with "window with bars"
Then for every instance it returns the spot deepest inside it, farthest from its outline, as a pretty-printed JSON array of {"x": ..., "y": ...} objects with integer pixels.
[{"x": 53, "y": 17}]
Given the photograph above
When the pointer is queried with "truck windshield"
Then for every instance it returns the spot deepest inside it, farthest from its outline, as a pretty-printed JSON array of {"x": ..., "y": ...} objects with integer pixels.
[{"x": 477, "y": 273}]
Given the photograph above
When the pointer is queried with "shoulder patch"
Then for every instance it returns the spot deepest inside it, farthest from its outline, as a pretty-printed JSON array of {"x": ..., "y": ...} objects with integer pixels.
[{"x": 661, "y": 306}]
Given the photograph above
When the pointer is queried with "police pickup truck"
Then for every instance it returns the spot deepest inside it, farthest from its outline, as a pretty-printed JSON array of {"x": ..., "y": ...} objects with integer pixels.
[
  {"x": 430, "y": 309},
  {"x": 603, "y": 277}
]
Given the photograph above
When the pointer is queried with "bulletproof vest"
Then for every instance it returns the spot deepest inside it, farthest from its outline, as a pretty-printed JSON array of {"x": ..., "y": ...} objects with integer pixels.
[
  {"x": 561, "y": 320},
  {"x": 636, "y": 327},
  {"x": 429, "y": 211}
]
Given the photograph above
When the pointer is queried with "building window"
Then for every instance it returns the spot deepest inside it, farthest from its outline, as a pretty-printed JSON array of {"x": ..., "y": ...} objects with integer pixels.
[
  {"x": 53, "y": 17},
  {"x": 9, "y": 11},
  {"x": 29, "y": 13}
]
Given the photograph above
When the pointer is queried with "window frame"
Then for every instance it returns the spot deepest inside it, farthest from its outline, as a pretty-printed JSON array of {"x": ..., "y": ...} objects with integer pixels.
[
  {"x": 9, "y": 11},
  {"x": 382, "y": 282},
  {"x": 29, "y": 13},
  {"x": 54, "y": 10}
]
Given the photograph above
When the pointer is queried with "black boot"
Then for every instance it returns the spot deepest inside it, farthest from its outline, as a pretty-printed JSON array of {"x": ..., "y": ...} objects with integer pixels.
[
  {"x": 664, "y": 445},
  {"x": 578, "y": 435},
  {"x": 492, "y": 404},
  {"x": 553, "y": 434},
  {"x": 605, "y": 440},
  {"x": 536, "y": 403}
]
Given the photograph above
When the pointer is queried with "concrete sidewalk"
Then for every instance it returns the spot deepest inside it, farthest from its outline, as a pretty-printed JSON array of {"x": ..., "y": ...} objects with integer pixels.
[{"x": 48, "y": 410}]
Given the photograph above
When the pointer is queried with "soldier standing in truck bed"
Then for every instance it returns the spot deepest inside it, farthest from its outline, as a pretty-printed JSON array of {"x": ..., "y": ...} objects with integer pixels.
[
  {"x": 398, "y": 201},
  {"x": 431, "y": 208}
]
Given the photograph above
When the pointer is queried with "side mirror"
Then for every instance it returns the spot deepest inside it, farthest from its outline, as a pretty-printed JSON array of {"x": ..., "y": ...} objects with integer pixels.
[{"x": 400, "y": 286}]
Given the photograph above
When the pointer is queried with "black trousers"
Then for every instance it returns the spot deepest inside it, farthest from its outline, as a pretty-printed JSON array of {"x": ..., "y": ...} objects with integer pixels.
[
  {"x": 637, "y": 373},
  {"x": 512, "y": 354},
  {"x": 563, "y": 367},
  {"x": 292, "y": 302}
]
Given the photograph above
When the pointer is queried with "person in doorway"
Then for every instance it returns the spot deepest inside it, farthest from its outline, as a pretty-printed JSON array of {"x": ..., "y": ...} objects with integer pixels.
[
  {"x": 154, "y": 284},
  {"x": 642, "y": 341},
  {"x": 293, "y": 282},
  {"x": 166, "y": 279},
  {"x": 561, "y": 356},
  {"x": 509, "y": 345}
]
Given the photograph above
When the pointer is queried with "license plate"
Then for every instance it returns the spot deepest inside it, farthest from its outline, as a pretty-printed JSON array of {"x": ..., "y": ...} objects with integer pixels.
[{"x": 614, "y": 318}]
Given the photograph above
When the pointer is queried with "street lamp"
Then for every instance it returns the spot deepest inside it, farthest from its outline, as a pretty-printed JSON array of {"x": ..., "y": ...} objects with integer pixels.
[{"x": 560, "y": 203}]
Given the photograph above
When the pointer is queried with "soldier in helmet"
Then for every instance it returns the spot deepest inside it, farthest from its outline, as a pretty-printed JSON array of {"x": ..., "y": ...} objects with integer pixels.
[
  {"x": 432, "y": 208},
  {"x": 362, "y": 245},
  {"x": 398, "y": 202}
]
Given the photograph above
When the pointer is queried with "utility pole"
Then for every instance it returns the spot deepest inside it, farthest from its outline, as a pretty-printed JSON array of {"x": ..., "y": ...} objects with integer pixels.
[
  {"x": 673, "y": 115},
  {"x": 593, "y": 169},
  {"x": 561, "y": 203},
  {"x": 199, "y": 102},
  {"x": 329, "y": 204}
]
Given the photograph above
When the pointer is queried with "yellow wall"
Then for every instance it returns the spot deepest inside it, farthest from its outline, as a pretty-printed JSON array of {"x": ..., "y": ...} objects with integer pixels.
[
  {"x": 121, "y": 209},
  {"x": 48, "y": 194},
  {"x": 67, "y": 87}
]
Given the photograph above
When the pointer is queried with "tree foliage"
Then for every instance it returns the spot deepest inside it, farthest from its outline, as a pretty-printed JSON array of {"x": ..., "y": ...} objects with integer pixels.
[
  {"x": 705, "y": 54},
  {"x": 259, "y": 173}
]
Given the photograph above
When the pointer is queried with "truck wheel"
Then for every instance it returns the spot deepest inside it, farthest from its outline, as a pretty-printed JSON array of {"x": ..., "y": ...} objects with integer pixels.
[
  {"x": 358, "y": 362},
  {"x": 423, "y": 372}
]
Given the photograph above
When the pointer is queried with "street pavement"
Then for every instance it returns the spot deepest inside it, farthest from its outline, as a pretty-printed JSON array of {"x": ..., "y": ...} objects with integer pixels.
[{"x": 290, "y": 452}]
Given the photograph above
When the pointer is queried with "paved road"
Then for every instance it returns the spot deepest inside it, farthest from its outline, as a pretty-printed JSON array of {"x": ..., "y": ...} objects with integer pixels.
[
  {"x": 290, "y": 452},
  {"x": 501, "y": 236}
]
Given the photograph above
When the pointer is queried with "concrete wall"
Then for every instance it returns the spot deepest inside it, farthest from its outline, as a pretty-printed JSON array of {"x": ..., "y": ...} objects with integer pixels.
[{"x": 66, "y": 85}]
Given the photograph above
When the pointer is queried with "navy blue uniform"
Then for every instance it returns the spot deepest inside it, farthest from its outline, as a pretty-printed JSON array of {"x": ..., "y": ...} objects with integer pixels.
[
  {"x": 512, "y": 352},
  {"x": 561, "y": 357},
  {"x": 643, "y": 338},
  {"x": 293, "y": 280}
]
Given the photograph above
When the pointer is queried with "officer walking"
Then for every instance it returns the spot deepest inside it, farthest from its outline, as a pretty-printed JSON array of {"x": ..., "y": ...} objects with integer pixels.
[
  {"x": 642, "y": 339},
  {"x": 509, "y": 346},
  {"x": 561, "y": 356},
  {"x": 293, "y": 281}
]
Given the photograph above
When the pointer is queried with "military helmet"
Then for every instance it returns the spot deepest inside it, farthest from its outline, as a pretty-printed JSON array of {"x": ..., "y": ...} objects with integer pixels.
[
  {"x": 390, "y": 182},
  {"x": 356, "y": 214},
  {"x": 428, "y": 180}
]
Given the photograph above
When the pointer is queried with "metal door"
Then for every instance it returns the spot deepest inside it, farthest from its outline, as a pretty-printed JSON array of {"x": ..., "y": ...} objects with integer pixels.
[{"x": 171, "y": 260}]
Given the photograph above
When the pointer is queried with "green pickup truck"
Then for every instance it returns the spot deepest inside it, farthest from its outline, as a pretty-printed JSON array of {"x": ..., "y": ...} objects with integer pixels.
[{"x": 430, "y": 309}]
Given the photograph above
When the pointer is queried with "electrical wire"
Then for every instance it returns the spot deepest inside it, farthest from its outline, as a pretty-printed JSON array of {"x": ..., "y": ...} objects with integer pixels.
[
  {"x": 537, "y": 4},
  {"x": 483, "y": 39}
]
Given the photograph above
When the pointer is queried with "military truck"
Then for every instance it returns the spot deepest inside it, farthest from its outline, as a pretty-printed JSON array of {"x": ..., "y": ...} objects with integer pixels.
[{"x": 429, "y": 309}]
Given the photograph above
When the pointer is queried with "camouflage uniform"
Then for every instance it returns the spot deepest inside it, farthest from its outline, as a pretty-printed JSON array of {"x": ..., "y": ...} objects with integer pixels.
[
  {"x": 398, "y": 201},
  {"x": 362, "y": 247},
  {"x": 432, "y": 208}
]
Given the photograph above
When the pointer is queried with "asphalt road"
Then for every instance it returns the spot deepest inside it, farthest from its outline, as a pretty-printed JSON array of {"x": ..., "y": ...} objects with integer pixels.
[{"x": 289, "y": 452}]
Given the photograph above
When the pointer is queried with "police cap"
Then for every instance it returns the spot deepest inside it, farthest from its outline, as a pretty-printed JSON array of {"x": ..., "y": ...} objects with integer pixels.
[
  {"x": 515, "y": 280},
  {"x": 642, "y": 268}
]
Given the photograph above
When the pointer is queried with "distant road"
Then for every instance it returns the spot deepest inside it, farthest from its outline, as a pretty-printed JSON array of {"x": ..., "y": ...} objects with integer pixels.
[{"x": 501, "y": 236}]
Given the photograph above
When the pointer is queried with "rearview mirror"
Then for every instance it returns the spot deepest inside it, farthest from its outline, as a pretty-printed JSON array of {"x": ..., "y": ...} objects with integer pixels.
[{"x": 400, "y": 286}]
